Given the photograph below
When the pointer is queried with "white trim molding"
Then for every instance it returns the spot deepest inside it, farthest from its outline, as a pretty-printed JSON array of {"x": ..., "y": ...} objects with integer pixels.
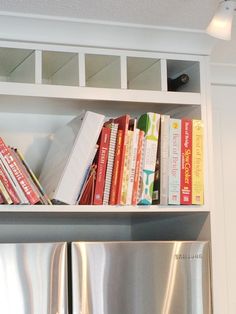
[{"x": 22, "y": 27}]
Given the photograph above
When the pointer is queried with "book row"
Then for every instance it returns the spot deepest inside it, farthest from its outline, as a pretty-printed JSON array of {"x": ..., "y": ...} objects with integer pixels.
[
  {"x": 152, "y": 159},
  {"x": 18, "y": 184}
]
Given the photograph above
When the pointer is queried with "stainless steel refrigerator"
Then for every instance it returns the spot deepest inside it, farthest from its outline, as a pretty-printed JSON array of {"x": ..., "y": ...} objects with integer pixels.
[
  {"x": 33, "y": 278},
  {"x": 141, "y": 278}
]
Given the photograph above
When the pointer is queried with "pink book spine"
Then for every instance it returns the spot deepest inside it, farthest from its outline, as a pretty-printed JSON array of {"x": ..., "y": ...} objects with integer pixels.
[
  {"x": 10, "y": 189},
  {"x": 32, "y": 197}
]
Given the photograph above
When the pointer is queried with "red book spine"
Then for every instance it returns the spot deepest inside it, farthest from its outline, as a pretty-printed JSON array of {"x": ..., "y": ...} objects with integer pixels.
[
  {"x": 101, "y": 165},
  {"x": 137, "y": 168},
  {"x": 10, "y": 189},
  {"x": 123, "y": 122},
  {"x": 32, "y": 197},
  {"x": 186, "y": 163},
  {"x": 115, "y": 173}
]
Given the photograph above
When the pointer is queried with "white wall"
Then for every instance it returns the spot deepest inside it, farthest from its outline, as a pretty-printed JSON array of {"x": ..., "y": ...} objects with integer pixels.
[{"x": 224, "y": 141}]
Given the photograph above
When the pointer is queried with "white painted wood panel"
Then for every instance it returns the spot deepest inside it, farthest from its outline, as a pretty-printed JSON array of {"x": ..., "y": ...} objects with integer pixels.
[{"x": 224, "y": 135}]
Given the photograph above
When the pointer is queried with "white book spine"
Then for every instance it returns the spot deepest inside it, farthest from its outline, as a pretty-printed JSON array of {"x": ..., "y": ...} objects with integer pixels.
[
  {"x": 164, "y": 159},
  {"x": 69, "y": 157},
  {"x": 12, "y": 179},
  {"x": 110, "y": 163},
  {"x": 149, "y": 156},
  {"x": 174, "y": 161},
  {"x": 132, "y": 167}
]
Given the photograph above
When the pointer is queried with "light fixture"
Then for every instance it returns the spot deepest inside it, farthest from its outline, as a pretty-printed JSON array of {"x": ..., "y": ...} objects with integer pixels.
[{"x": 221, "y": 24}]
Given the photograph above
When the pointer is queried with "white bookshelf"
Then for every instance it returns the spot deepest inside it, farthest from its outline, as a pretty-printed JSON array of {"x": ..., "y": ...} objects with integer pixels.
[{"x": 44, "y": 86}]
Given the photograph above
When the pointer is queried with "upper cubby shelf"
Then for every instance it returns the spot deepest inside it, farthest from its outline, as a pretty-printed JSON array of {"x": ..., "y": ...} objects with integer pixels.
[
  {"x": 17, "y": 65},
  {"x": 98, "y": 74},
  {"x": 60, "y": 68}
]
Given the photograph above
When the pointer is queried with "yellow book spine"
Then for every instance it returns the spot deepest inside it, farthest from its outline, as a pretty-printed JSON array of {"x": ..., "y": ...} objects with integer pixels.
[{"x": 197, "y": 163}]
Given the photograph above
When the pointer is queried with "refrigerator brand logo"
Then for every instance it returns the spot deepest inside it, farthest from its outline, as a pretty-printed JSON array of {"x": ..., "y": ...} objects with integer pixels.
[{"x": 188, "y": 256}]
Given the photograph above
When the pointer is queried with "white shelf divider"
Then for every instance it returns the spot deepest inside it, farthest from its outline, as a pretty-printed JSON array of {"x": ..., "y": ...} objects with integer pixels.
[{"x": 38, "y": 67}]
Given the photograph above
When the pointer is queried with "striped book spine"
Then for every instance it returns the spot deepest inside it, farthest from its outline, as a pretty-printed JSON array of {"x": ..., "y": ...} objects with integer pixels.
[
  {"x": 115, "y": 172},
  {"x": 110, "y": 162},
  {"x": 102, "y": 159}
]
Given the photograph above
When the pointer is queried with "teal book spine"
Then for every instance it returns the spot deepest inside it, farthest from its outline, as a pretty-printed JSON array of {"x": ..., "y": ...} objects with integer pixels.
[{"x": 149, "y": 123}]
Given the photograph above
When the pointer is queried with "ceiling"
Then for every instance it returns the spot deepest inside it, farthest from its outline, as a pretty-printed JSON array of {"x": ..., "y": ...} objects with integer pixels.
[
  {"x": 185, "y": 14},
  {"x": 190, "y": 14}
]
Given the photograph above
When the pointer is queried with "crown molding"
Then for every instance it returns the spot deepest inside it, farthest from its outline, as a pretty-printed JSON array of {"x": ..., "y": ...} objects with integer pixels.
[{"x": 46, "y": 29}]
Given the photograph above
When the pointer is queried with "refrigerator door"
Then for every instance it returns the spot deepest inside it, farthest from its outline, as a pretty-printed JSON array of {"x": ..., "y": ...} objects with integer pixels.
[
  {"x": 141, "y": 278},
  {"x": 33, "y": 278}
]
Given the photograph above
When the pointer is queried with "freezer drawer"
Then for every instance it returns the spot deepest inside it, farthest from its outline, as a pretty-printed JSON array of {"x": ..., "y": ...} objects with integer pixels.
[
  {"x": 33, "y": 278},
  {"x": 141, "y": 278}
]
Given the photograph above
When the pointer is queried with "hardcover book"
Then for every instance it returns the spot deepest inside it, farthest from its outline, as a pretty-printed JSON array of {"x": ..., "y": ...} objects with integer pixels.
[
  {"x": 123, "y": 124},
  {"x": 174, "y": 162},
  {"x": 133, "y": 159},
  {"x": 20, "y": 177},
  {"x": 116, "y": 167},
  {"x": 127, "y": 164},
  {"x": 43, "y": 195},
  {"x": 110, "y": 162},
  {"x": 137, "y": 172},
  {"x": 8, "y": 185},
  {"x": 149, "y": 123},
  {"x": 197, "y": 164},
  {"x": 186, "y": 163},
  {"x": 164, "y": 159},
  {"x": 12, "y": 179},
  {"x": 70, "y": 156},
  {"x": 102, "y": 158}
]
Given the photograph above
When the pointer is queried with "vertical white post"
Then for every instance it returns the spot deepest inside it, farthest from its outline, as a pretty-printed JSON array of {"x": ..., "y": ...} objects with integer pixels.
[
  {"x": 38, "y": 66},
  {"x": 164, "y": 87},
  {"x": 123, "y": 72},
  {"x": 82, "y": 73}
]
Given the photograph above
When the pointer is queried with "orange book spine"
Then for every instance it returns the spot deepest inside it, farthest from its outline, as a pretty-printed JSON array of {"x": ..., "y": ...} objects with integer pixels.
[
  {"x": 137, "y": 169},
  {"x": 113, "y": 195}
]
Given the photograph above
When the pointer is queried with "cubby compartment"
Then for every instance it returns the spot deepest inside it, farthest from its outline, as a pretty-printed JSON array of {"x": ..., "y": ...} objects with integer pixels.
[
  {"x": 17, "y": 65},
  {"x": 183, "y": 76},
  {"x": 102, "y": 71},
  {"x": 60, "y": 68},
  {"x": 144, "y": 73}
]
